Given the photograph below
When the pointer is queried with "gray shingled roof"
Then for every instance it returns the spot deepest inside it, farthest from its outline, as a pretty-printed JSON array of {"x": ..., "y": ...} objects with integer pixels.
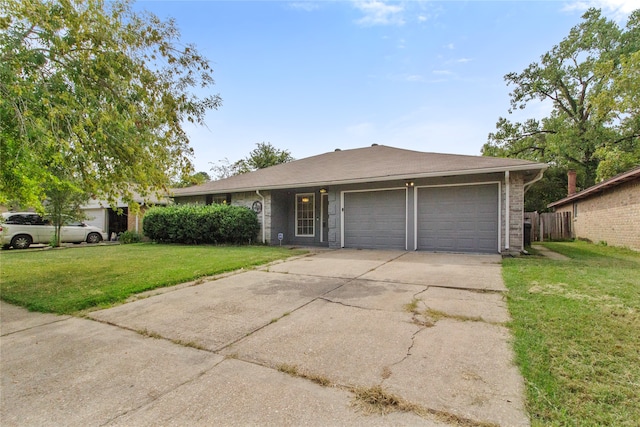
[{"x": 371, "y": 164}]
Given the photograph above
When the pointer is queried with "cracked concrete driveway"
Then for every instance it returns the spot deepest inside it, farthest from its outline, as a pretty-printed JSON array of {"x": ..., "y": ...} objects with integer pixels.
[{"x": 286, "y": 344}]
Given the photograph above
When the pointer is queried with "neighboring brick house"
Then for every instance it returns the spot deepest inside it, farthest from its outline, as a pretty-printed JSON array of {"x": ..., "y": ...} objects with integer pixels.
[
  {"x": 115, "y": 219},
  {"x": 382, "y": 197},
  {"x": 606, "y": 212}
]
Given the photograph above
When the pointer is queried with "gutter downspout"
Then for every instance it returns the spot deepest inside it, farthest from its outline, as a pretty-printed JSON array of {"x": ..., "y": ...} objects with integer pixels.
[
  {"x": 507, "y": 207},
  {"x": 527, "y": 186},
  {"x": 264, "y": 228},
  {"x": 534, "y": 180}
]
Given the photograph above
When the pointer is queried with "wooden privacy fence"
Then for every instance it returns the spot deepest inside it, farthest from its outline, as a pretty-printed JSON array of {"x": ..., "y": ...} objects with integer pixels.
[{"x": 550, "y": 226}]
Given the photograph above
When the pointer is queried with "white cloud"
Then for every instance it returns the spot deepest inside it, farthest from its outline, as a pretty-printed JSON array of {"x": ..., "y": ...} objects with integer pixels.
[
  {"x": 414, "y": 78},
  {"x": 422, "y": 18},
  {"x": 378, "y": 12},
  {"x": 463, "y": 60},
  {"x": 442, "y": 72},
  {"x": 618, "y": 9},
  {"x": 450, "y": 46}
]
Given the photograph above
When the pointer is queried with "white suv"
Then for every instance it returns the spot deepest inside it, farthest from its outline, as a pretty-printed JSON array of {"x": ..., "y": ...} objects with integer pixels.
[{"x": 21, "y": 229}]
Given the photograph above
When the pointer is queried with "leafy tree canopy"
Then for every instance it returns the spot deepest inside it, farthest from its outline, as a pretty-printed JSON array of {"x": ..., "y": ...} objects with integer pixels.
[
  {"x": 99, "y": 91},
  {"x": 263, "y": 156},
  {"x": 193, "y": 179},
  {"x": 591, "y": 78}
]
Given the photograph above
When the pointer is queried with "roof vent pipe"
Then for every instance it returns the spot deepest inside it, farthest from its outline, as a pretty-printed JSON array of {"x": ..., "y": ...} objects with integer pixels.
[
  {"x": 571, "y": 182},
  {"x": 374, "y": 145},
  {"x": 337, "y": 149}
]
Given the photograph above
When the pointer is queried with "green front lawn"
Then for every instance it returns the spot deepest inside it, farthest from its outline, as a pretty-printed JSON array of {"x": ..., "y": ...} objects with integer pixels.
[
  {"x": 69, "y": 280},
  {"x": 577, "y": 334}
]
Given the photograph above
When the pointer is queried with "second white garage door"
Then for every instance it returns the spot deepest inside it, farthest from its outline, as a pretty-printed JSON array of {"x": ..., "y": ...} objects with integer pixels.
[
  {"x": 458, "y": 218},
  {"x": 375, "y": 219}
]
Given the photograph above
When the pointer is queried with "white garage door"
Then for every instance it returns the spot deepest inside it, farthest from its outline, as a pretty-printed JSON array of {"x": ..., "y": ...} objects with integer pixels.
[
  {"x": 458, "y": 218},
  {"x": 96, "y": 217},
  {"x": 375, "y": 219}
]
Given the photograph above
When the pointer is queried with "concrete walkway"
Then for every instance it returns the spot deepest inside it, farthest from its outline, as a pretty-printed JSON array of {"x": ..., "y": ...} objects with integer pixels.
[
  {"x": 546, "y": 252},
  {"x": 287, "y": 344}
]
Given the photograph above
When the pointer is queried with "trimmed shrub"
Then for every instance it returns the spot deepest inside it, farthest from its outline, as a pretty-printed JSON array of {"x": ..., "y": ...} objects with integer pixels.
[
  {"x": 197, "y": 224},
  {"x": 129, "y": 237}
]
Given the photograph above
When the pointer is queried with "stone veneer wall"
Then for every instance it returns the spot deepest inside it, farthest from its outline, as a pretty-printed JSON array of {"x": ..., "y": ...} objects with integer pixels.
[
  {"x": 611, "y": 215},
  {"x": 334, "y": 232},
  {"x": 247, "y": 199}
]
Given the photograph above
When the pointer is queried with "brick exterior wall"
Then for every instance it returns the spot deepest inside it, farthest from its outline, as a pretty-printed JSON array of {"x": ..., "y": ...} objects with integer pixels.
[
  {"x": 611, "y": 216},
  {"x": 134, "y": 222},
  {"x": 516, "y": 213}
]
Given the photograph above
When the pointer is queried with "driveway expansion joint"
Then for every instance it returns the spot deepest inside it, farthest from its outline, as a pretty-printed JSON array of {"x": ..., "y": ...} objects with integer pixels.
[
  {"x": 36, "y": 326},
  {"x": 323, "y": 298},
  {"x": 155, "y": 397}
]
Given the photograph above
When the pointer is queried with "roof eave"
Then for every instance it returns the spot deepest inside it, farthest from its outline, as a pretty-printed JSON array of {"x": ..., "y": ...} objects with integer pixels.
[{"x": 515, "y": 168}]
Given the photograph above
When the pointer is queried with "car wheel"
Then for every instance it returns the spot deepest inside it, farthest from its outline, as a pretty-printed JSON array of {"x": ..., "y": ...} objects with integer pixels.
[
  {"x": 21, "y": 241},
  {"x": 94, "y": 238}
]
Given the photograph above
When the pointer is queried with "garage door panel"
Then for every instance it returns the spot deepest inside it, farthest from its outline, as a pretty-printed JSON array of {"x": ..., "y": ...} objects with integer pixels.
[
  {"x": 375, "y": 219},
  {"x": 458, "y": 218}
]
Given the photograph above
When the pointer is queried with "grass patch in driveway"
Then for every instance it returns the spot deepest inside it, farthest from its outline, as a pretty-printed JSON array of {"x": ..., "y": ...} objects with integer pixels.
[
  {"x": 69, "y": 280},
  {"x": 576, "y": 325}
]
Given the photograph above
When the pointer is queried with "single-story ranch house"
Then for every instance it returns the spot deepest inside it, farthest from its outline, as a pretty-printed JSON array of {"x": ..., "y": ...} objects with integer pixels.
[
  {"x": 382, "y": 197},
  {"x": 606, "y": 212}
]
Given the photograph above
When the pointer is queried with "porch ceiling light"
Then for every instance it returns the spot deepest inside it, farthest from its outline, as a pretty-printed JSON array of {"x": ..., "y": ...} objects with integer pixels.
[
  {"x": 409, "y": 183},
  {"x": 305, "y": 200},
  {"x": 323, "y": 190}
]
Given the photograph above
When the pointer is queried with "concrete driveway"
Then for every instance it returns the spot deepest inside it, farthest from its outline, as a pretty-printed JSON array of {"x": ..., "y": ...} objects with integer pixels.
[{"x": 292, "y": 343}]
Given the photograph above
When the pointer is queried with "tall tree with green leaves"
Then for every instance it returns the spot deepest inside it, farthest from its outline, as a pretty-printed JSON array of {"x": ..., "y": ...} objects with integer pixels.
[
  {"x": 64, "y": 203},
  {"x": 99, "y": 91},
  {"x": 591, "y": 80},
  {"x": 263, "y": 156}
]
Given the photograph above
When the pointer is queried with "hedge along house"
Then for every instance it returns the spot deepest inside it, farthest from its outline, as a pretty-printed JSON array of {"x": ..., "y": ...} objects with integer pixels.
[{"x": 381, "y": 197}]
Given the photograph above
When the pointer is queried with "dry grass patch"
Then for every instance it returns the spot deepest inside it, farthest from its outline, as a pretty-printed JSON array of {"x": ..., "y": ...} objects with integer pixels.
[
  {"x": 436, "y": 315},
  {"x": 295, "y": 372},
  {"x": 412, "y": 307},
  {"x": 150, "y": 334},
  {"x": 376, "y": 400},
  {"x": 417, "y": 318}
]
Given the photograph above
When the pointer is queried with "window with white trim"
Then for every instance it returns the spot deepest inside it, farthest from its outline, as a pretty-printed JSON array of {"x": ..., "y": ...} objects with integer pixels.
[{"x": 305, "y": 215}]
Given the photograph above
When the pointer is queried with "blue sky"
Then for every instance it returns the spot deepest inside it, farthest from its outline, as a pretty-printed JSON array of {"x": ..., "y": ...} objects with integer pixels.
[{"x": 313, "y": 76}]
